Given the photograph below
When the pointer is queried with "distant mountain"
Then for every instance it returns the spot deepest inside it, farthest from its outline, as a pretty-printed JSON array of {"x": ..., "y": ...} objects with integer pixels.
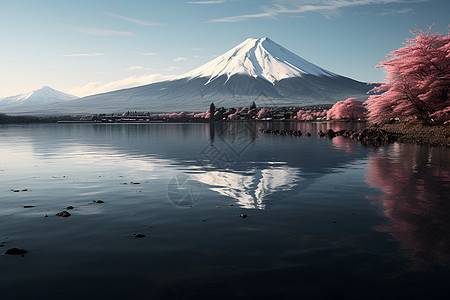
[
  {"x": 257, "y": 70},
  {"x": 43, "y": 95}
]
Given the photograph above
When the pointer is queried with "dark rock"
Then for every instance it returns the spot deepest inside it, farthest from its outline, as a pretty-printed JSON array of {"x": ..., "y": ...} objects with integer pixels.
[
  {"x": 138, "y": 235},
  {"x": 24, "y": 190},
  {"x": 243, "y": 216},
  {"x": 64, "y": 214},
  {"x": 330, "y": 133},
  {"x": 15, "y": 191},
  {"x": 69, "y": 207},
  {"x": 15, "y": 251},
  {"x": 45, "y": 216},
  {"x": 321, "y": 133},
  {"x": 308, "y": 134},
  {"x": 28, "y": 206},
  {"x": 135, "y": 182},
  {"x": 98, "y": 201}
]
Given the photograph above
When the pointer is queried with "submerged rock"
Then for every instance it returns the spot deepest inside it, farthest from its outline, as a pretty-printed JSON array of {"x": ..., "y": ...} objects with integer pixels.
[
  {"x": 28, "y": 206},
  {"x": 69, "y": 207},
  {"x": 64, "y": 214},
  {"x": 243, "y": 216},
  {"x": 98, "y": 201},
  {"x": 138, "y": 235},
  {"x": 15, "y": 251}
]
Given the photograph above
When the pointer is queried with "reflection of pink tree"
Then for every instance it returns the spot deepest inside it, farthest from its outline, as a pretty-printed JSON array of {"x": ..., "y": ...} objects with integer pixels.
[
  {"x": 344, "y": 144},
  {"x": 414, "y": 180},
  {"x": 347, "y": 109}
]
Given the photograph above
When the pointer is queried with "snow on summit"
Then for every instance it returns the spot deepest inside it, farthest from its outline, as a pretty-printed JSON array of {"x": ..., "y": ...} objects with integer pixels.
[{"x": 258, "y": 57}]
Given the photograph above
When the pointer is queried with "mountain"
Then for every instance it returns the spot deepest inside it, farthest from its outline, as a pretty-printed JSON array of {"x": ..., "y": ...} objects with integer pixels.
[
  {"x": 256, "y": 70},
  {"x": 43, "y": 95}
]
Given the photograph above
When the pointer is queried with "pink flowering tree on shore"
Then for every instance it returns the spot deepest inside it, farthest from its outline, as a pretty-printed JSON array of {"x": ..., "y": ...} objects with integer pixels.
[
  {"x": 347, "y": 109},
  {"x": 417, "y": 83},
  {"x": 310, "y": 115},
  {"x": 262, "y": 113}
]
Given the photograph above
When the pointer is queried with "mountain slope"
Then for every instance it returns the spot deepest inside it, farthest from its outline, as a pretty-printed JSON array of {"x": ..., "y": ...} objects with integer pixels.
[
  {"x": 256, "y": 70},
  {"x": 41, "y": 96}
]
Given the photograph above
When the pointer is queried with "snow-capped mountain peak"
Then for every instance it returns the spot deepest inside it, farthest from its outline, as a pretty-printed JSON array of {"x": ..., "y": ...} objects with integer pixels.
[
  {"x": 258, "y": 57},
  {"x": 43, "y": 95}
]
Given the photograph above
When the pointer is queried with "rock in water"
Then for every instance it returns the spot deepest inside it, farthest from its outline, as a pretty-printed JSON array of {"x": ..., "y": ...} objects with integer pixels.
[
  {"x": 63, "y": 214},
  {"x": 138, "y": 235},
  {"x": 16, "y": 251}
]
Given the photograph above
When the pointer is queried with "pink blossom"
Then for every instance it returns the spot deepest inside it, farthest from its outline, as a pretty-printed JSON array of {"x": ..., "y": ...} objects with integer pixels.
[{"x": 347, "y": 109}]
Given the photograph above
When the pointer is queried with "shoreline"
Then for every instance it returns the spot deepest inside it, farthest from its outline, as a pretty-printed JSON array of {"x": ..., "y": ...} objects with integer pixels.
[{"x": 419, "y": 134}]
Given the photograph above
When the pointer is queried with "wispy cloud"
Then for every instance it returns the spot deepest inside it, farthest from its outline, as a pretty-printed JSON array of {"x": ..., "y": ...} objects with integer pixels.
[
  {"x": 97, "y": 87},
  {"x": 132, "y": 68},
  {"x": 205, "y": 2},
  {"x": 84, "y": 54},
  {"x": 170, "y": 68},
  {"x": 327, "y": 8},
  {"x": 102, "y": 32},
  {"x": 179, "y": 58},
  {"x": 396, "y": 11},
  {"x": 143, "y": 53},
  {"x": 132, "y": 20}
]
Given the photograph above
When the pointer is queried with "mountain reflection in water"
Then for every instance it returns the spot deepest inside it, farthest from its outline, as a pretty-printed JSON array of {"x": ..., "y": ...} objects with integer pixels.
[{"x": 250, "y": 189}]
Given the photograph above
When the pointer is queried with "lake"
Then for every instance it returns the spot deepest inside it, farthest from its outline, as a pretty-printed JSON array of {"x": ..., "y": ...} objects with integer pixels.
[{"x": 227, "y": 212}]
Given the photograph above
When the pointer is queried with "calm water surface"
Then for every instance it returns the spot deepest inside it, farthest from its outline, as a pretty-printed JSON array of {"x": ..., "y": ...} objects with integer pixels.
[{"x": 326, "y": 218}]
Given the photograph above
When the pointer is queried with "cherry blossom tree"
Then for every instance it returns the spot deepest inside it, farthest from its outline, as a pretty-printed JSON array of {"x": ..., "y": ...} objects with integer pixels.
[
  {"x": 347, "y": 109},
  {"x": 310, "y": 115},
  {"x": 232, "y": 116},
  {"x": 417, "y": 83},
  {"x": 261, "y": 114}
]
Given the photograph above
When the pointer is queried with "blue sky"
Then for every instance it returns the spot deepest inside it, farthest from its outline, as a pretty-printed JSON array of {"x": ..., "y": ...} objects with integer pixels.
[{"x": 85, "y": 47}]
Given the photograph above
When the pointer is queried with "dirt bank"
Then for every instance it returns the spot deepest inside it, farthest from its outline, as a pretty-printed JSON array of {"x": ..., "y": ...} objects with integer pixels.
[{"x": 436, "y": 135}]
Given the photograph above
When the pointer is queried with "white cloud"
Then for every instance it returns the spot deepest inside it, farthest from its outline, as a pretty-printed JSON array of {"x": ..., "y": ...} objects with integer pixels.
[
  {"x": 206, "y": 2},
  {"x": 84, "y": 54},
  {"x": 143, "y": 53},
  {"x": 398, "y": 11},
  {"x": 102, "y": 32},
  {"x": 136, "y": 21},
  {"x": 132, "y": 68},
  {"x": 170, "y": 68},
  {"x": 324, "y": 7},
  {"x": 179, "y": 58},
  {"x": 97, "y": 87}
]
